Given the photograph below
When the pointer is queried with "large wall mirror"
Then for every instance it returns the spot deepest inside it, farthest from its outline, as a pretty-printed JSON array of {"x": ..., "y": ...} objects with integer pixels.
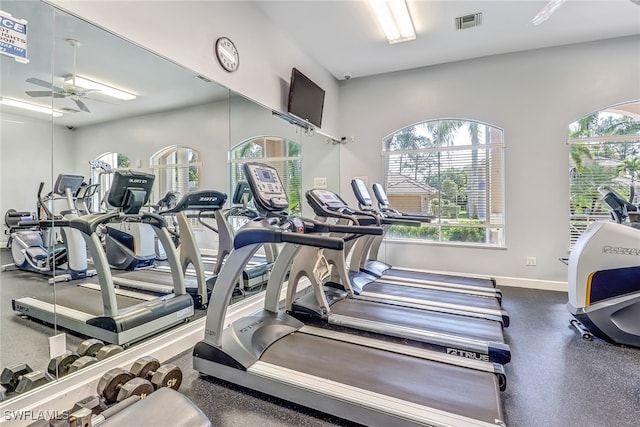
[
  {"x": 28, "y": 159},
  {"x": 304, "y": 156},
  {"x": 105, "y": 104}
]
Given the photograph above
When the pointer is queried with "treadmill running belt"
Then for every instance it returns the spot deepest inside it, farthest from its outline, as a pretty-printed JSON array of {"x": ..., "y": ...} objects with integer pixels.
[
  {"x": 155, "y": 277},
  {"x": 425, "y": 295},
  {"x": 466, "y": 392},
  {"x": 86, "y": 300},
  {"x": 445, "y": 278},
  {"x": 461, "y": 326}
]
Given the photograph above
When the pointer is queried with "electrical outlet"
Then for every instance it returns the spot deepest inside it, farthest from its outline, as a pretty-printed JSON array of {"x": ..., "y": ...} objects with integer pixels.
[
  {"x": 531, "y": 261},
  {"x": 320, "y": 182}
]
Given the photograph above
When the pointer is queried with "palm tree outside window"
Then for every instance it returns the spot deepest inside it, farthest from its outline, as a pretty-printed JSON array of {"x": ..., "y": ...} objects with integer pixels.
[{"x": 604, "y": 149}]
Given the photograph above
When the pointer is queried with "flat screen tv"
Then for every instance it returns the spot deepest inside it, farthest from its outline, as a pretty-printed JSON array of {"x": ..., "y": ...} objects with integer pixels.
[{"x": 306, "y": 99}]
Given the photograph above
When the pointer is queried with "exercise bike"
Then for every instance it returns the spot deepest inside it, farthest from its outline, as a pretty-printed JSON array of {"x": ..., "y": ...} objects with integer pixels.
[
  {"x": 39, "y": 251},
  {"x": 604, "y": 276}
]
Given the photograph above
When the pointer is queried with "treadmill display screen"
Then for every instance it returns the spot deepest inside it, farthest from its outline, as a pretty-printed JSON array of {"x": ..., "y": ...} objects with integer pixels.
[
  {"x": 329, "y": 199},
  {"x": 265, "y": 175},
  {"x": 268, "y": 191}
]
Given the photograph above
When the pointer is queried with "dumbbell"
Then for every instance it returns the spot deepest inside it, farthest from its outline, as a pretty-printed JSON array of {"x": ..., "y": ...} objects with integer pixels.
[
  {"x": 160, "y": 375},
  {"x": 96, "y": 404},
  {"x": 96, "y": 348},
  {"x": 117, "y": 385},
  {"x": 83, "y": 416},
  {"x": 21, "y": 378},
  {"x": 89, "y": 352}
]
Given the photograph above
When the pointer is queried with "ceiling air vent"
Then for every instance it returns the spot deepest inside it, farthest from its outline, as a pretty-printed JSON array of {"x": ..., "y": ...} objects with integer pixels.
[{"x": 468, "y": 21}]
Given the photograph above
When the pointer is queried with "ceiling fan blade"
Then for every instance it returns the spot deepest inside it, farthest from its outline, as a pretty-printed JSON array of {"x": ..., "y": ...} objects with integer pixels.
[
  {"x": 36, "y": 93},
  {"x": 81, "y": 105},
  {"x": 42, "y": 83},
  {"x": 547, "y": 11},
  {"x": 40, "y": 93}
]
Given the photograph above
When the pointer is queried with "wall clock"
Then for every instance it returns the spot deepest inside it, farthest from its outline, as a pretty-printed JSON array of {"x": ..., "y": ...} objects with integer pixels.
[{"x": 227, "y": 54}]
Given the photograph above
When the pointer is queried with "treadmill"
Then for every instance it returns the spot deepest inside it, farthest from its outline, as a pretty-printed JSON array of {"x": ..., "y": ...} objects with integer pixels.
[
  {"x": 335, "y": 306},
  {"x": 327, "y": 204},
  {"x": 274, "y": 353},
  {"x": 369, "y": 263},
  {"x": 99, "y": 311},
  {"x": 160, "y": 281},
  {"x": 257, "y": 272}
]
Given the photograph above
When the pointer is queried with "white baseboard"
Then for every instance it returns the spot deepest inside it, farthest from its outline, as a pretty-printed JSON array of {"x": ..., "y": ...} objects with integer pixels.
[
  {"x": 546, "y": 285},
  {"x": 517, "y": 282}
]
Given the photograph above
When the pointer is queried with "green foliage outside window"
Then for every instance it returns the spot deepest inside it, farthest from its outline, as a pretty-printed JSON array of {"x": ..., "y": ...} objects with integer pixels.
[{"x": 601, "y": 154}]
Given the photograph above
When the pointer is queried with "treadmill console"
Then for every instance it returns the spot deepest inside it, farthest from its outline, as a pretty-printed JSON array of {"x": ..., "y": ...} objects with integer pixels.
[
  {"x": 325, "y": 202},
  {"x": 130, "y": 190},
  {"x": 361, "y": 192},
  {"x": 202, "y": 200},
  {"x": 268, "y": 192},
  {"x": 381, "y": 195},
  {"x": 242, "y": 194},
  {"x": 326, "y": 199}
]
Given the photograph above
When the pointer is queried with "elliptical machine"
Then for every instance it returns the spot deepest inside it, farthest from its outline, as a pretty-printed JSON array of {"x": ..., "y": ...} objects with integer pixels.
[
  {"x": 604, "y": 276},
  {"x": 38, "y": 251}
]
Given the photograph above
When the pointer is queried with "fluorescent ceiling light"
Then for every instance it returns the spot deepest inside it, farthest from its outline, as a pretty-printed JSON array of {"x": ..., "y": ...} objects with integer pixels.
[
  {"x": 393, "y": 16},
  {"x": 102, "y": 88},
  {"x": 28, "y": 106}
]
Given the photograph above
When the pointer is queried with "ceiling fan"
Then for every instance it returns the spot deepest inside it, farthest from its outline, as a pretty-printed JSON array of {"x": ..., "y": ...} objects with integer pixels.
[
  {"x": 70, "y": 91},
  {"x": 551, "y": 7}
]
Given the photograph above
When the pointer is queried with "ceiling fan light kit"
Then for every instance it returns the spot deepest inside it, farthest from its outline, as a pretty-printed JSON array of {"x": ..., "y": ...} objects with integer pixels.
[
  {"x": 101, "y": 88},
  {"x": 547, "y": 11},
  {"x": 76, "y": 87}
]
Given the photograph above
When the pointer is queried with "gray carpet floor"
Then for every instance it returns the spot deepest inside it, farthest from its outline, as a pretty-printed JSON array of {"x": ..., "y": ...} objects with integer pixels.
[{"x": 555, "y": 378}]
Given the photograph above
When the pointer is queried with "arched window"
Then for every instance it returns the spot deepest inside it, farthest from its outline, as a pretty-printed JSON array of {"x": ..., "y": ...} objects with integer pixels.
[
  {"x": 452, "y": 170},
  {"x": 177, "y": 169},
  {"x": 604, "y": 150},
  {"x": 281, "y": 153}
]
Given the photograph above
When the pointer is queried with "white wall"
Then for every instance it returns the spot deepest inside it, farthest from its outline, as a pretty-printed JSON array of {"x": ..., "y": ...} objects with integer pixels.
[
  {"x": 533, "y": 96},
  {"x": 26, "y": 159},
  {"x": 204, "y": 128},
  {"x": 185, "y": 32}
]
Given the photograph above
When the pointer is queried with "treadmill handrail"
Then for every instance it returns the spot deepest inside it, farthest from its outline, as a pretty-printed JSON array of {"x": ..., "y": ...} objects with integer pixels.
[
  {"x": 88, "y": 224},
  {"x": 323, "y": 227},
  {"x": 261, "y": 231}
]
